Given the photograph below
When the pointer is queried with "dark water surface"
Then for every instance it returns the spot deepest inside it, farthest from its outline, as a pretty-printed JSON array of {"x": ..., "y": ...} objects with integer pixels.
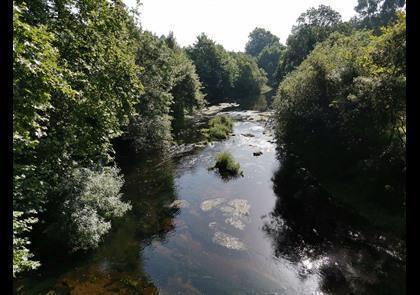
[{"x": 272, "y": 231}]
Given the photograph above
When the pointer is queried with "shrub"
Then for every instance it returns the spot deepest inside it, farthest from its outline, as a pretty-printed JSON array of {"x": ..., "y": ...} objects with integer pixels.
[
  {"x": 227, "y": 165},
  {"x": 220, "y": 127},
  {"x": 92, "y": 201},
  {"x": 22, "y": 257}
]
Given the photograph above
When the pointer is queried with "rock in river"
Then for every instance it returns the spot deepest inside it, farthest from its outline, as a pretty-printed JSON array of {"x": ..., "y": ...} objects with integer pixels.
[
  {"x": 240, "y": 207},
  {"x": 228, "y": 241},
  {"x": 235, "y": 222},
  {"x": 211, "y": 204}
]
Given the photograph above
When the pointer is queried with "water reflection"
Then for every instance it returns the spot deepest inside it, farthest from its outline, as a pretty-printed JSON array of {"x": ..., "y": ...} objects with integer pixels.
[
  {"x": 116, "y": 267},
  {"x": 307, "y": 228},
  {"x": 254, "y": 102},
  {"x": 189, "y": 232}
]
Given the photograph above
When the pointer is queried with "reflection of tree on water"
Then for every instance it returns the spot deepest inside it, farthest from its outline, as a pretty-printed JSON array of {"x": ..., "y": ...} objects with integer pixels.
[
  {"x": 254, "y": 102},
  {"x": 150, "y": 190},
  {"x": 116, "y": 267},
  {"x": 308, "y": 229}
]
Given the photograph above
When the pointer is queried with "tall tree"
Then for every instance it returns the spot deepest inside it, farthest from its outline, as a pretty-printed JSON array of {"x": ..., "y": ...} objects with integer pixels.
[
  {"x": 347, "y": 102},
  {"x": 313, "y": 26},
  {"x": 251, "y": 79},
  {"x": 373, "y": 14},
  {"x": 258, "y": 39},
  {"x": 75, "y": 87},
  {"x": 269, "y": 59},
  {"x": 215, "y": 67}
]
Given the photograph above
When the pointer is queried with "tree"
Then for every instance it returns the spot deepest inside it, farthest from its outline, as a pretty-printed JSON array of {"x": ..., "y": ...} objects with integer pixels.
[
  {"x": 187, "y": 87},
  {"x": 259, "y": 39},
  {"x": 269, "y": 59},
  {"x": 36, "y": 76},
  {"x": 313, "y": 26},
  {"x": 171, "y": 87},
  {"x": 251, "y": 79},
  {"x": 347, "y": 102},
  {"x": 215, "y": 67},
  {"x": 75, "y": 87},
  {"x": 373, "y": 14}
]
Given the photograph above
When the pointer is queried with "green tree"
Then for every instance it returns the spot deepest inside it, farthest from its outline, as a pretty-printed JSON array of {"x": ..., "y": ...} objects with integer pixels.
[
  {"x": 215, "y": 67},
  {"x": 22, "y": 257},
  {"x": 313, "y": 26},
  {"x": 187, "y": 87},
  {"x": 75, "y": 86},
  {"x": 251, "y": 79},
  {"x": 36, "y": 77},
  {"x": 150, "y": 126},
  {"x": 269, "y": 59},
  {"x": 346, "y": 102},
  {"x": 374, "y": 14},
  {"x": 259, "y": 39}
]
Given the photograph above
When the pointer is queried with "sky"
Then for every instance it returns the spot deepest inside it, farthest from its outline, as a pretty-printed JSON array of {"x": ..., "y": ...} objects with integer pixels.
[{"x": 228, "y": 22}]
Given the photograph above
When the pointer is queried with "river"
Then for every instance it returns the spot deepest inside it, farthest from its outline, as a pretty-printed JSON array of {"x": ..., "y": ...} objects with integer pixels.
[{"x": 271, "y": 231}]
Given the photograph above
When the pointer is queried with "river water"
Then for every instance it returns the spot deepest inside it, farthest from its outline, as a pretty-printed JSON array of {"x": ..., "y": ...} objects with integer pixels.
[{"x": 271, "y": 231}]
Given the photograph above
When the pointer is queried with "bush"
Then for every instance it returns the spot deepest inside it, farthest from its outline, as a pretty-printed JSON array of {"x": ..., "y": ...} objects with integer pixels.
[
  {"x": 22, "y": 257},
  {"x": 227, "y": 165},
  {"x": 92, "y": 200},
  {"x": 220, "y": 127}
]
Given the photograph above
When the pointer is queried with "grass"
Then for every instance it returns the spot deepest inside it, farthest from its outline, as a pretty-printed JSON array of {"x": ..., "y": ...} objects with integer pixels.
[
  {"x": 220, "y": 127},
  {"x": 227, "y": 165}
]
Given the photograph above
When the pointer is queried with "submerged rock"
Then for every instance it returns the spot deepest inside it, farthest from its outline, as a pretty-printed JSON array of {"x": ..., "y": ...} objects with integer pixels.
[
  {"x": 211, "y": 204},
  {"x": 259, "y": 153},
  {"x": 228, "y": 241},
  {"x": 228, "y": 210},
  {"x": 248, "y": 134},
  {"x": 240, "y": 207},
  {"x": 235, "y": 222}
]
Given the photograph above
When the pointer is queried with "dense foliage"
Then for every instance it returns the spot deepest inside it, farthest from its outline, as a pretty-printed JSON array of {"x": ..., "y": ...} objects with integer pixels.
[
  {"x": 171, "y": 87},
  {"x": 259, "y": 39},
  {"x": 347, "y": 102},
  {"x": 83, "y": 73},
  {"x": 215, "y": 67},
  {"x": 250, "y": 80},
  {"x": 269, "y": 59},
  {"x": 373, "y": 14},
  {"x": 313, "y": 26},
  {"x": 226, "y": 75}
]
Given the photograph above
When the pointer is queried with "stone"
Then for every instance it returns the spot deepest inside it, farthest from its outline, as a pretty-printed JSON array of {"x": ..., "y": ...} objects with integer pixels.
[
  {"x": 210, "y": 204},
  {"x": 228, "y": 241},
  {"x": 240, "y": 207},
  {"x": 235, "y": 222}
]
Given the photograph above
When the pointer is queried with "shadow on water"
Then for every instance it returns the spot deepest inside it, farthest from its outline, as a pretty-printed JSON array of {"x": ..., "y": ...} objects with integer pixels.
[
  {"x": 306, "y": 243},
  {"x": 254, "y": 102},
  {"x": 116, "y": 266},
  {"x": 307, "y": 227}
]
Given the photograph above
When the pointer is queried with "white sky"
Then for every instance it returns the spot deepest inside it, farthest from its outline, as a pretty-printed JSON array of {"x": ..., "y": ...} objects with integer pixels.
[{"x": 228, "y": 22}]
